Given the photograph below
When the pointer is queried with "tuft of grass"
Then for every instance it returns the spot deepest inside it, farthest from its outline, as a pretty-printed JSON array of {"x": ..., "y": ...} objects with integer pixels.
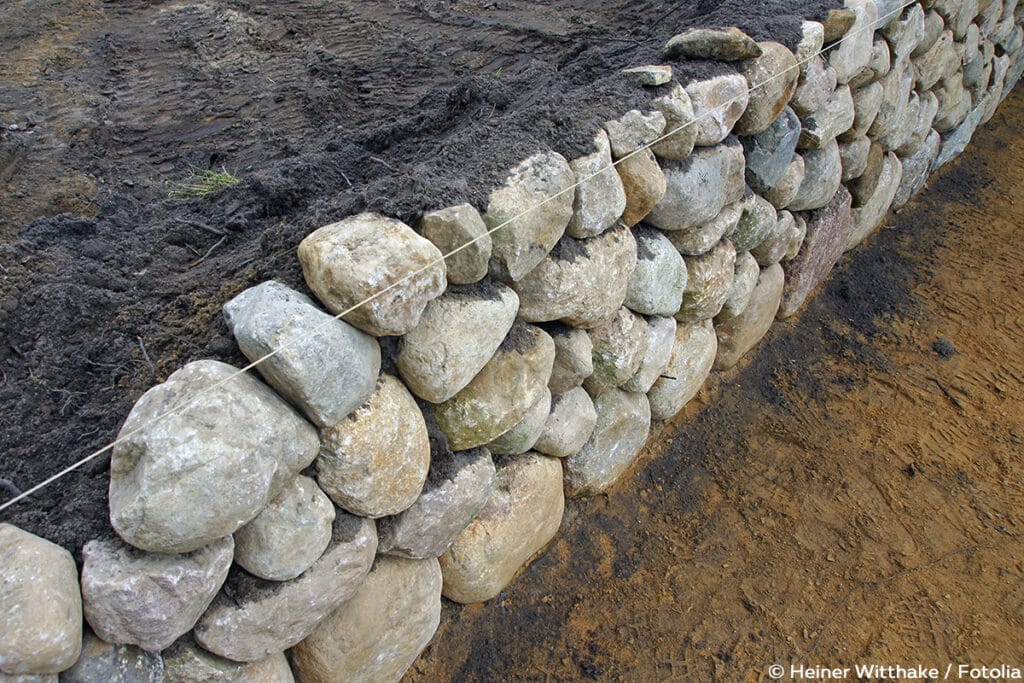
[{"x": 201, "y": 184}]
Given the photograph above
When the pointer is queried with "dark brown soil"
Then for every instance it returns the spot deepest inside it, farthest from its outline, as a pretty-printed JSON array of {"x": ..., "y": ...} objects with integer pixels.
[
  {"x": 853, "y": 495},
  {"x": 322, "y": 110}
]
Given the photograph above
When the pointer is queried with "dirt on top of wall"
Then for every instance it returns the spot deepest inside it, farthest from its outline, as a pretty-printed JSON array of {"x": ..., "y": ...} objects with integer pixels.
[{"x": 108, "y": 284}]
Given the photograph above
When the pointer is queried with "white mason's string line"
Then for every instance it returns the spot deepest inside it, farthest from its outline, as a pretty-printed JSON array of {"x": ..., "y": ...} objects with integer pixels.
[{"x": 213, "y": 387}]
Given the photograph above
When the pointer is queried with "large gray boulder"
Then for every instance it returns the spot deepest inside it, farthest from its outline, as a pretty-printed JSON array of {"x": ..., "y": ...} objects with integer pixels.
[
  {"x": 621, "y": 430},
  {"x": 569, "y": 425},
  {"x": 582, "y": 282},
  {"x": 661, "y": 334},
  {"x": 457, "y": 487},
  {"x": 680, "y": 124},
  {"x": 324, "y": 367},
  {"x": 869, "y": 216},
  {"x": 708, "y": 283},
  {"x": 916, "y": 169},
  {"x": 252, "y": 619},
  {"x": 377, "y": 635},
  {"x": 779, "y": 242},
  {"x": 521, "y": 436},
  {"x": 461, "y": 230},
  {"x": 816, "y": 83},
  {"x": 755, "y": 224},
  {"x": 699, "y": 187},
  {"x": 226, "y": 447},
  {"x": 502, "y": 393},
  {"x": 378, "y": 260},
  {"x": 769, "y": 153},
  {"x": 772, "y": 78},
  {"x": 40, "y": 603},
  {"x": 823, "y": 173},
  {"x": 693, "y": 355},
  {"x": 374, "y": 463},
  {"x": 102, "y": 662},
  {"x": 702, "y": 238},
  {"x": 289, "y": 535},
  {"x": 618, "y": 349},
  {"x": 600, "y": 198},
  {"x": 521, "y": 516},
  {"x": 722, "y": 44},
  {"x": 718, "y": 102},
  {"x": 854, "y": 53},
  {"x": 185, "y": 662},
  {"x": 574, "y": 360},
  {"x": 644, "y": 184},
  {"x": 831, "y": 120},
  {"x": 149, "y": 599},
  {"x": 457, "y": 334},
  {"x": 659, "y": 277},
  {"x": 741, "y": 333},
  {"x": 827, "y": 232},
  {"x": 528, "y": 213},
  {"x": 744, "y": 280}
]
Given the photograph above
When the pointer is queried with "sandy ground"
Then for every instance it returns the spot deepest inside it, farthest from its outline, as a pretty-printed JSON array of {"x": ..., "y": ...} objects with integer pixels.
[{"x": 853, "y": 496}]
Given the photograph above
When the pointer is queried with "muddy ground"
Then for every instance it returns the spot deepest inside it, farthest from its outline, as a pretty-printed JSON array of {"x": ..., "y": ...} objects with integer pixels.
[{"x": 853, "y": 496}]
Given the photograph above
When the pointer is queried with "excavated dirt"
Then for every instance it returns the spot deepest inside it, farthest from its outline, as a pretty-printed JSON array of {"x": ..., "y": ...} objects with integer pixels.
[
  {"x": 321, "y": 109},
  {"x": 853, "y": 496}
]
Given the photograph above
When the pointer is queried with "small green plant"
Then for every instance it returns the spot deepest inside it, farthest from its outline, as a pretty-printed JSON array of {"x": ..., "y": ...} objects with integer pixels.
[{"x": 201, "y": 184}]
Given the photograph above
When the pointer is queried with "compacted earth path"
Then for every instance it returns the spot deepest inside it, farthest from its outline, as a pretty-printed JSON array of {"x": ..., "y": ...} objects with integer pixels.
[{"x": 853, "y": 496}]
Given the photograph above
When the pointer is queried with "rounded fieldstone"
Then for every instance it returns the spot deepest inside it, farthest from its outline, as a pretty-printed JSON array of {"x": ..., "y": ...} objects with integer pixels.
[
  {"x": 661, "y": 333},
  {"x": 619, "y": 348},
  {"x": 772, "y": 77},
  {"x": 620, "y": 432},
  {"x": 659, "y": 277},
  {"x": 569, "y": 424},
  {"x": 710, "y": 279},
  {"x": 461, "y": 230},
  {"x": 693, "y": 355}
]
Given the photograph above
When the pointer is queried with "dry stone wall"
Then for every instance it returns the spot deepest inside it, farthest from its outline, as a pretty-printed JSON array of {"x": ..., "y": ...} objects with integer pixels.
[{"x": 305, "y": 527}]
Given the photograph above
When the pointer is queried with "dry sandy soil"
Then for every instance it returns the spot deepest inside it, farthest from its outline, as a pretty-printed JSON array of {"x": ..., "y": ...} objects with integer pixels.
[{"x": 853, "y": 496}]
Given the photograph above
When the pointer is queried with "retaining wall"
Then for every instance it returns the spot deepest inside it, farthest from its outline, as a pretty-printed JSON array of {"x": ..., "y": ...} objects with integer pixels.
[{"x": 423, "y": 444}]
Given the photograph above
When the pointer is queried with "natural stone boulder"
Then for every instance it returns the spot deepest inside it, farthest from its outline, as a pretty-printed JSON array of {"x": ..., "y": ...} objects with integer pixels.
[
  {"x": 919, "y": 121},
  {"x": 896, "y": 89},
  {"x": 693, "y": 354},
  {"x": 582, "y": 282},
  {"x": 661, "y": 334},
  {"x": 775, "y": 247},
  {"x": 457, "y": 487},
  {"x": 149, "y": 599},
  {"x": 854, "y": 53},
  {"x": 650, "y": 75},
  {"x": 772, "y": 78},
  {"x": 904, "y": 33},
  {"x": 459, "y": 228},
  {"x": 785, "y": 191},
  {"x": 529, "y": 228},
  {"x": 502, "y": 393},
  {"x": 456, "y": 336},
  {"x": 798, "y": 235},
  {"x": 958, "y": 14},
  {"x": 643, "y": 182},
  {"x": 40, "y": 604},
  {"x": 289, "y": 535},
  {"x": 723, "y": 44},
  {"x": 184, "y": 662},
  {"x": 574, "y": 360},
  {"x": 702, "y": 238},
  {"x": 569, "y": 425},
  {"x": 680, "y": 124},
  {"x": 521, "y": 516},
  {"x": 633, "y": 130},
  {"x": 253, "y": 619},
  {"x": 101, "y": 662},
  {"x": 816, "y": 84},
  {"x": 953, "y": 103},
  {"x": 600, "y": 199},
  {"x": 863, "y": 186},
  {"x": 227, "y": 446},
  {"x": 756, "y": 223},
  {"x": 823, "y": 173},
  {"x": 718, "y": 103},
  {"x": 867, "y": 102},
  {"x": 374, "y": 462},
  {"x": 916, "y": 169},
  {"x": 769, "y": 153},
  {"x": 659, "y": 277},
  {"x": 837, "y": 24},
  {"x": 827, "y": 232},
  {"x": 699, "y": 187},
  {"x": 812, "y": 39},
  {"x": 324, "y": 367},
  {"x": 623, "y": 424},
  {"x": 521, "y": 437},
  {"x": 365, "y": 256},
  {"x": 619, "y": 347},
  {"x": 934, "y": 25},
  {"x": 377, "y": 635},
  {"x": 878, "y": 66},
  {"x": 868, "y": 217},
  {"x": 955, "y": 142},
  {"x": 937, "y": 62},
  {"x": 834, "y": 118},
  {"x": 744, "y": 280},
  {"x": 710, "y": 279},
  {"x": 854, "y": 157},
  {"x": 738, "y": 335}
]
